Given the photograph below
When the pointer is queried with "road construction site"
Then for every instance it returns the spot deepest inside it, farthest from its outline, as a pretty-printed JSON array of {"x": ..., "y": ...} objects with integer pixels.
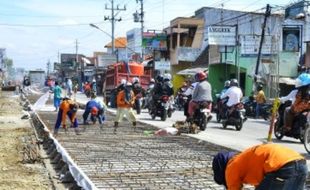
[{"x": 131, "y": 158}]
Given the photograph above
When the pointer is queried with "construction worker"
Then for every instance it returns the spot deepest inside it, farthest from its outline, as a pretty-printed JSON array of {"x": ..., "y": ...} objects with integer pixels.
[
  {"x": 125, "y": 101},
  {"x": 96, "y": 107},
  {"x": 67, "y": 108},
  {"x": 265, "y": 166}
]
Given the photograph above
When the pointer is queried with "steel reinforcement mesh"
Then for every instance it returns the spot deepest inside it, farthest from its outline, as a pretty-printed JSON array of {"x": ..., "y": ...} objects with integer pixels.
[{"x": 131, "y": 159}]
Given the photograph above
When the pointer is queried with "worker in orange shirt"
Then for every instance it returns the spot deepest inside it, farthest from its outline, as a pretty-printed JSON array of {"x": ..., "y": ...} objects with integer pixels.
[
  {"x": 67, "y": 108},
  {"x": 266, "y": 166},
  {"x": 125, "y": 101}
]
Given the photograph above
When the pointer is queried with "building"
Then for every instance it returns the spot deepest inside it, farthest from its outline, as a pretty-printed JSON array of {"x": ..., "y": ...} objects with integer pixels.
[
  {"x": 134, "y": 42},
  {"x": 228, "y": 43},
  {"x": 120, "y": 45}
]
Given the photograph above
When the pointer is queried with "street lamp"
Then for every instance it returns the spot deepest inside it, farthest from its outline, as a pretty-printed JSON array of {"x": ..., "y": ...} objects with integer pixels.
[{"x": 95, "y": 26}]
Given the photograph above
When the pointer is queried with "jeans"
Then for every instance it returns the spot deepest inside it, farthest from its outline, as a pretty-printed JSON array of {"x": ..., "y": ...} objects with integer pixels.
[
  {"x": 59, "y": 119},
  {"x": 291, "y": 176},
  {"x": 257, "y": 110}
]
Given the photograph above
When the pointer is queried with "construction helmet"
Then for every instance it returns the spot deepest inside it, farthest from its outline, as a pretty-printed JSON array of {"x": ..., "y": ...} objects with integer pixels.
[
  {"x": 302, "y": 80},
  {"x": 135, "y": 80}
]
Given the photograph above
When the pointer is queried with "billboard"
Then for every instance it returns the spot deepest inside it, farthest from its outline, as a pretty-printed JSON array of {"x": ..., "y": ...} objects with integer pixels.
[
  {"x": 250, "y": 45},
  {"x": 156, "y": 41},
  {"x": 295, "y": 9},
  {"x": 222, "y": 35}
]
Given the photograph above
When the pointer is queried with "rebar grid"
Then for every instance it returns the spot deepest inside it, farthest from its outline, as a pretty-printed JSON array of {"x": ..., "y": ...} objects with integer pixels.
[{"x": 130, "y": 160}]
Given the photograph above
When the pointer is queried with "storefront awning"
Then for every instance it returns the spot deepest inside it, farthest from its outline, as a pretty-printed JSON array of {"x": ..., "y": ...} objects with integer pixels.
[
  {"x": 192, "y": 71},
  {"x": 286, "y": 80}
]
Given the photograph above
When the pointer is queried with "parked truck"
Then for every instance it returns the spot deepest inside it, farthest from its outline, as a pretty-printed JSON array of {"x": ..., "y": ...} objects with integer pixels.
[{"x": 118, "y": 71}]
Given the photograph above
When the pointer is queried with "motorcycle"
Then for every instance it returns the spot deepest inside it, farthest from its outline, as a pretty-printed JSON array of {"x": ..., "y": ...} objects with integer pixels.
[
  {"x": 250, "y": 108},
  {"x": 180, "y": 100},
  {"x": 298, "y": 128},
  {"x": 202, "y": 115},
  {"x": 236, "y": 117},
  {"x": 161, "y": 108},
  {"x": 219, "y": 110}
]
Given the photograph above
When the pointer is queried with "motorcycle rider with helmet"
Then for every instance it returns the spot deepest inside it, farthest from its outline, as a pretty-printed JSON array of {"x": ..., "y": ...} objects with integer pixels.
[
  {"x": 301, "y": 102},
  {"x": 234, "y": 95},
  {"x": 202, "y": 93},
  {"x": 139, "y": 92},
  {"x": 226, "y": 86}
]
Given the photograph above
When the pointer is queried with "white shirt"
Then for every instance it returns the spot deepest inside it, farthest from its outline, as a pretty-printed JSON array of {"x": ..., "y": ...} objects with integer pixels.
[
  {"x": 291, "y": 96},
  {"x": 234, "y": 93}
]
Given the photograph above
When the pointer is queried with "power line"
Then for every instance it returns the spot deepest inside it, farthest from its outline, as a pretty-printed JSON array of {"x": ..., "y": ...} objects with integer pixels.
[{"x": 48, "y": 25}]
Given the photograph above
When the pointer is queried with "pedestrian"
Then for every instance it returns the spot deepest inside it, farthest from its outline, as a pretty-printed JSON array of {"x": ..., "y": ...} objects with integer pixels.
[
  {"x": 125, "y": 101},
  {"x": 67, "y": 108},
  {"x": 260, "y": 100},
  {"x": 265, "y": 166},
  {"x": 94, "y": 86},
  {"x": 69, "y": 87},
  {"x": 57, "y": 95}
]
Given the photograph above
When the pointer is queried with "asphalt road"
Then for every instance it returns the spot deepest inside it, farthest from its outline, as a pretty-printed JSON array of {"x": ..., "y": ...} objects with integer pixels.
[{"x": 253, "y": 132}]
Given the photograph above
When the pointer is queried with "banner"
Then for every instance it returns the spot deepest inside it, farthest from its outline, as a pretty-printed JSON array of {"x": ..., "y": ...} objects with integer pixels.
[
  {"x": 222, "y": 35},
  {"x": 156, "y": 41}
]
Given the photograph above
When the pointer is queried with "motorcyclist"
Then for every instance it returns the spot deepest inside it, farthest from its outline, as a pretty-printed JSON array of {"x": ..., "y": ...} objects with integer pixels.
[
  {"x": 220, "y": 102},
  {"x": 162, "y": 87},
  {"x": 136, "y": 87},
  {"x": 139, "y": 92},
  {"x": 188, "y": 94},
  {"x": 233, "y": 93},
  {"x": 301, "y": 102},
  {"x": 226, "y": 86},
  {"x": 202, "y": 93}
]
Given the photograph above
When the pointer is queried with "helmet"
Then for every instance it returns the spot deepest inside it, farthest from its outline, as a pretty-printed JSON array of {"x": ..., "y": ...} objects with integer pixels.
[
  {"x": 135, "y": 80},
  {"x": 302, "y": 80},
  {"x": 227, "y": 83},
  {"x": 234, "y": 82},
  {"x": 167, "y": 77},
  {"x": 201, "y": 76},
  {"x": 123, "y": 81},
  {"x": 152, "y": 80},
  {"x": 160, "y": 78},
  {"x": 259, "y": 87},
  {"x": 129, "y": 84}
]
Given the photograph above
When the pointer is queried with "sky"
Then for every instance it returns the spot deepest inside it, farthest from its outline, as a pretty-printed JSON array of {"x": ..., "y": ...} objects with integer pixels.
[{"x": 37, "y": 31}]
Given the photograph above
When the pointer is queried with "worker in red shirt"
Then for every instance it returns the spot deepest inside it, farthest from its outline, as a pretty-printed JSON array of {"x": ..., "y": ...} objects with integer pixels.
[
  {"x": 266, "y": 166},
  {"x": 67, "y": 108}
]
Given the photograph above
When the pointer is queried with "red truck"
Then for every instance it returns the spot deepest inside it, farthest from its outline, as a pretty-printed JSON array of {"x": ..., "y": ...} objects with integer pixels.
[{"x": 118, "y": 71}]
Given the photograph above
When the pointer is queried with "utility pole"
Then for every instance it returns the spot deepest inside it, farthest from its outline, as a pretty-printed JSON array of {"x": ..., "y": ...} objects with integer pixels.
[
  {"x": 48, "y": 64},
  {"x": 139, "y": 17},
  {"x": 113, "y": 19},
  {"x": 76, "y": 59},
  {"x": 267, "y": 14}
]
